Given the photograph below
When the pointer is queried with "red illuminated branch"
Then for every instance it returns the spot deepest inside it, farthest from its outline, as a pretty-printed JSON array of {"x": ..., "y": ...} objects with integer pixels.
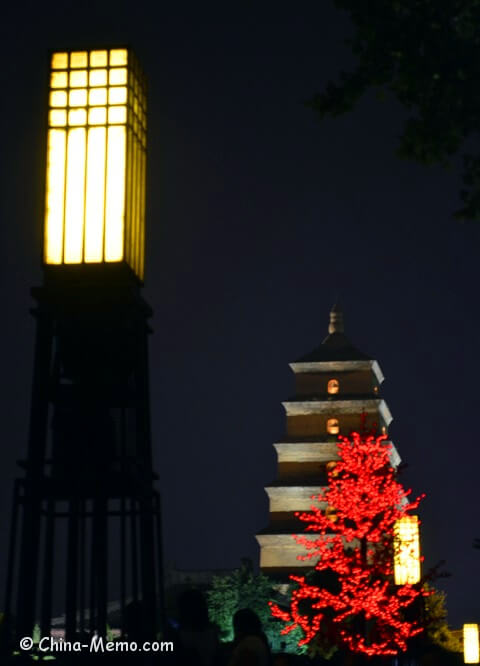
[{"x": 365, "y": 608}]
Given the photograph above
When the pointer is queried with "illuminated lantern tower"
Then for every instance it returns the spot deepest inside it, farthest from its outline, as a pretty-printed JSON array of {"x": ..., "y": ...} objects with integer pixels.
[
  {"x": 337, "y": 387},
  {"x": 86, "y": 517}
]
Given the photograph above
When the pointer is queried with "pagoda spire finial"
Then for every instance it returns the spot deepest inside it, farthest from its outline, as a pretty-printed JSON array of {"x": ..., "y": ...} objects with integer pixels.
[{"x": 336, "y": 319}]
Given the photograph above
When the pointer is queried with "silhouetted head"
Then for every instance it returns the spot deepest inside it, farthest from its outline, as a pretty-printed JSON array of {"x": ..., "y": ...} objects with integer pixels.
[
  {"x": 134, "y": 620},
  {"x": 247, "y": 623},
  {"x": 192, "y": 610}
]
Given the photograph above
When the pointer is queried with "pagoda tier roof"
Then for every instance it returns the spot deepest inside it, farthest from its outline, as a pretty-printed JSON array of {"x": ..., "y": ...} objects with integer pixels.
[
  {"x": 327, "y": 397},
  {"x": 305, "y": 367},
  {"x": 277, "y": 538},
  {"x": 313, "y": 450},
  {"x": 357, "y": 406},
  {"x": 335, "y": 347}
]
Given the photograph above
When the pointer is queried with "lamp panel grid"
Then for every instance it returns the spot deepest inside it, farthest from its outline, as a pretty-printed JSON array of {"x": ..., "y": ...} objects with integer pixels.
[
  {"x": 407, "y": 551},
  {"x": 95, "y": 203}
]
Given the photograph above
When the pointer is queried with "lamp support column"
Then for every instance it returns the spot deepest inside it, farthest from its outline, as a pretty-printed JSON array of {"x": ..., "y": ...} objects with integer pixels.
[{"x": 88, "y": 486}]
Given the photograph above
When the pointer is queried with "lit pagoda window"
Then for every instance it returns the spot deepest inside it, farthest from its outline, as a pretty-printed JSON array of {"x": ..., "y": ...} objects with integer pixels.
[
  {"x": 333, "y": 426},
  {"x": 331, "y": 468},
  {"x": 333, "y": 386},
  {"x": 331, "y": 514}
]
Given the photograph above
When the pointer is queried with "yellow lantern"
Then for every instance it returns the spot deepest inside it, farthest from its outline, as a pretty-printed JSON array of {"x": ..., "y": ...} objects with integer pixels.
[
  {"x": 95, "y": 190},
  {"x": 470, "y": 644},
  {"x": 406, "y": 551}
]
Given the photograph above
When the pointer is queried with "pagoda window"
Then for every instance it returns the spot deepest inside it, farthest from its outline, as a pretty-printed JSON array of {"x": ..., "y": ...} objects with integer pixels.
[
  {"x": 333, "y": 426},
  {"x": 331, "y": 513},
  {"x": 330, "y": 467},
  {"x": 333, "y": 386}
]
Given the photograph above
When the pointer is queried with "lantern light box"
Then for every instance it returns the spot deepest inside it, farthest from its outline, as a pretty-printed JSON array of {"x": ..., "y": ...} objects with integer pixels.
[
  {"x": 407, "y": 551},
  {"x": 96, "y": 164},
  {"x": 470, "y": 644}
]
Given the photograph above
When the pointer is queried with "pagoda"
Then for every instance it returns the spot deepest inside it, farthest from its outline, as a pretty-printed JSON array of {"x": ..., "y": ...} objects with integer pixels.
[{"x": 337, "y": 390}]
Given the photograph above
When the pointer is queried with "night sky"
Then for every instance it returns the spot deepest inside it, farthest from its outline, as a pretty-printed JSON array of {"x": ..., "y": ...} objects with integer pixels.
[{"x": 258, "y": 216}]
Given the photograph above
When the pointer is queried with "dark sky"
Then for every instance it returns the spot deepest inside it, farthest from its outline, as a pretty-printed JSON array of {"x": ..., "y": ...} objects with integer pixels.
[{"x": 258, "y": 215}]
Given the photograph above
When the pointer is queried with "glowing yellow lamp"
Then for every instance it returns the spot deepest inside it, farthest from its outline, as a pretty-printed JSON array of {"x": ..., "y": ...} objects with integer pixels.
[
  {"x": 470, "y": 644},
  {"x": 407, "y": 551},
  {"x": 95, "y": 193}
]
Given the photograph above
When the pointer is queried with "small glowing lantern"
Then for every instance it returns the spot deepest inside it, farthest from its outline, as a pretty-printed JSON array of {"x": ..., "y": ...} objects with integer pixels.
[
  {"x": 95, "y": 192},
  {"x": 470, "y": 644},
  {"x": 407, "y": 551}
]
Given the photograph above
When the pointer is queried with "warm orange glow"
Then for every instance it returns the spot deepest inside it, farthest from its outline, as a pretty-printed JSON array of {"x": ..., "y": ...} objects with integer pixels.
[
  {"x": 95, "y": 199},
  {"x": 333, "y": 426},
  {"x": 94, "y": 217},
  {"x": 59, "y": 80},
  {"x": 55, "y": 196},
  {"x": 115, "y": 194},
  {"x": 331, "y": 468},
  {"x": 470, "y": 644},
  {"x": 407, "y": 551},
  {"x": 60, "y": 61},
  {"x": 333, "y": 386},
  {"x": 118, "y": 57},
  {"x": 75, "y": 196},
  {"x": 143, "y": 177},
  {"x": 331, "y": 514},
  {"x": 98, "y": 58},
  {"x": 78, "y": 59}
]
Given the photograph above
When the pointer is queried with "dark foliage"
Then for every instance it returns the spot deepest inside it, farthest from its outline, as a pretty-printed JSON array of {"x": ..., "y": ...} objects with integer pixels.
[{"x": 427, "y": 54}]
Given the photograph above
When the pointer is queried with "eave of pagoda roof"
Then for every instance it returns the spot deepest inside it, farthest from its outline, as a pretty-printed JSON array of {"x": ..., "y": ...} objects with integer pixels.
[
  {"x": 369, "y": 406},
  {"x": 300, "y": 367}
]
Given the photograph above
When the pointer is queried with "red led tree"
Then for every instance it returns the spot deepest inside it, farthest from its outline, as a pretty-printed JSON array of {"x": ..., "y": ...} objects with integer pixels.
[{"x": 360, "y": 607}]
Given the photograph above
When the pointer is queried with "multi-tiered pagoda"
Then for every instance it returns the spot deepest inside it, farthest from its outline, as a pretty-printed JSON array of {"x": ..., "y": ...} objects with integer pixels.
[{"x": 337, "y": 391}]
